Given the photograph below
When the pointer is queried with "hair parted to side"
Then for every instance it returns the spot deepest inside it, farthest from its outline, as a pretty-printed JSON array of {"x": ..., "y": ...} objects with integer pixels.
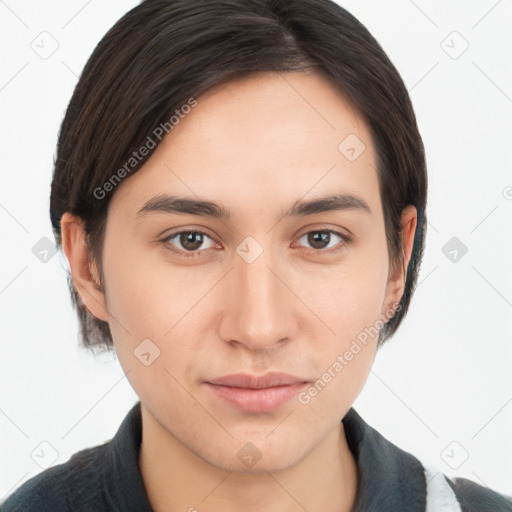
[{"x": 163, "y": 53}]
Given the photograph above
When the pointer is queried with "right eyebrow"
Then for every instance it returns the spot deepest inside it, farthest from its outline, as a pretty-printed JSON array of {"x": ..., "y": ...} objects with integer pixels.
[{"x": 164, "y": 203}]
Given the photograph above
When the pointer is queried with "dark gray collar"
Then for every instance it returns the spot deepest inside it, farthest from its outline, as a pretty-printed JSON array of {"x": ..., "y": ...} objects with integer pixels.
[
  {"x": 390, "y": 479},
  {"x": 124, "y": 479}
]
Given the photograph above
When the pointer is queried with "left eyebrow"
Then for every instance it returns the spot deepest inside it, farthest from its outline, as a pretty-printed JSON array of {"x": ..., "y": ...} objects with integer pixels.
[
  {"x": 331, "y": 203},
  {"x": 164, "y": 203}
]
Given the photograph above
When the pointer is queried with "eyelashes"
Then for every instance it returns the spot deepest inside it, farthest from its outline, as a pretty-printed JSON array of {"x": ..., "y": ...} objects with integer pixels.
[{"x": 196, "y": 237}]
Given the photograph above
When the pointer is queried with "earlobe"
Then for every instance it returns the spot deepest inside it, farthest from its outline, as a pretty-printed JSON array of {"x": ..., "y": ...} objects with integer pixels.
[
  {"x": 85, "y": 274},
  {"x": 398, "y": 278}
]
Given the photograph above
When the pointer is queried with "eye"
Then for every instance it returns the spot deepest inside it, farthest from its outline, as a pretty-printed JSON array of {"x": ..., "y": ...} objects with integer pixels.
[
  {"x": 188, "y": 243},
  {"x": 191, "y": 243},
  {"x": 324, "y": 239}
]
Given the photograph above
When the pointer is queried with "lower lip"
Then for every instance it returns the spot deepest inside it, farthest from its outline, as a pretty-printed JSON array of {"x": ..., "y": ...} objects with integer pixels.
[{"x": 256, "y": 400}]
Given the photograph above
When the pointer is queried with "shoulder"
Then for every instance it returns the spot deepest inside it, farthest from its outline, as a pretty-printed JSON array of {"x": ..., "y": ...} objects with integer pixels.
[
  {"x": 474, "y": 497},
  {"x": 404, "y": 483},
  {"x": 54, "y": 489},
  {"x": 461, "y": 495}
]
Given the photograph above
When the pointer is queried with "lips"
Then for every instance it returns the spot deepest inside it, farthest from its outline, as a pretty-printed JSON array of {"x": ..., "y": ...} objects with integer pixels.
[
  {"x": 252, "y": 393},
  {"x": 269, "y": 380}
]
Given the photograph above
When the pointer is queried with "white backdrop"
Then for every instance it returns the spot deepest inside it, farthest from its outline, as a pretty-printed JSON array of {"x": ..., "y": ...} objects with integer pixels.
[{"x": 441, "y": 389}]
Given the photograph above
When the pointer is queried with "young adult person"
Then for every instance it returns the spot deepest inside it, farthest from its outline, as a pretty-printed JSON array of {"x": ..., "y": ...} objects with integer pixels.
[{"x": 240, "y": 192}]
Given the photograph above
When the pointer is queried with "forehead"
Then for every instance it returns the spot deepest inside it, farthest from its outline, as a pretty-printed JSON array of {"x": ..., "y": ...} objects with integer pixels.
[{"x": 266, "y": 138}]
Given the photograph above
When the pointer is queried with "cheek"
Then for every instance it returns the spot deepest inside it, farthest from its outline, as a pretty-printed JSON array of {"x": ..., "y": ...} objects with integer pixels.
[
  {"x": 325, "y": 401},
  {"x": 147, "y": 295},
  {"x": 350, "y": 306},
  {"x": 148, "y": 305},
  {"x": 134, "y": 298},
  {"x": 353, "y": 292},
  {"x": 344, "y": 359},
  {"x": 150, "y": 299}
]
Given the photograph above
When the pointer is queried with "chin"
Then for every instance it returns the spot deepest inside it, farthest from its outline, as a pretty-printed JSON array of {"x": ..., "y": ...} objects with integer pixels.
[{"x": 250, "y": 460}]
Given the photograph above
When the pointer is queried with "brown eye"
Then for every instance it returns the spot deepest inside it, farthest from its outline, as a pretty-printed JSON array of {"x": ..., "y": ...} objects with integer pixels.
[
  {"x": 324, "y": 239},
  {"x": 188, "y": 242}
]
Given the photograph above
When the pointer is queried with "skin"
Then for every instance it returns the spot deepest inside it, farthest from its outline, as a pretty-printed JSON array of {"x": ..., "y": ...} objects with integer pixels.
[{"x": 255, "y": 146}]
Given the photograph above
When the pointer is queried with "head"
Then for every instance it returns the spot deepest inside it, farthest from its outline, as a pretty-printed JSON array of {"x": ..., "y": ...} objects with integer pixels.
[{"x": 257, "y": 110}]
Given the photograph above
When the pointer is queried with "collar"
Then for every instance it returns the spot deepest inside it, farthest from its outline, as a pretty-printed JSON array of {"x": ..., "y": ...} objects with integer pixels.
[
  {"x": 124, "y": 479},
  {"x": 390, "y": 479}
]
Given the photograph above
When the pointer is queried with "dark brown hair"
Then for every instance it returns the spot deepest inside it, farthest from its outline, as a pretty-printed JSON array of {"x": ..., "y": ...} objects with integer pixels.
[{"x": 164, "y": 52}]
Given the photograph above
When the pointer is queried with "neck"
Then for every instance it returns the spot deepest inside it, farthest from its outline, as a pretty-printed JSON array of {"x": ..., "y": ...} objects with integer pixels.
[{"x": 176, "y": 479}]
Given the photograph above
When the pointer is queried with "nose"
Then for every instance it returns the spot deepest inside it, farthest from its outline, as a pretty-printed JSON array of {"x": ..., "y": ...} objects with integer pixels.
[{"x": 260, "y": 305}]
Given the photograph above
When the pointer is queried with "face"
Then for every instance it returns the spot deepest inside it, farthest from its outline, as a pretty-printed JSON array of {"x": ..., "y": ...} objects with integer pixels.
[{"x": 272, "y": 286}]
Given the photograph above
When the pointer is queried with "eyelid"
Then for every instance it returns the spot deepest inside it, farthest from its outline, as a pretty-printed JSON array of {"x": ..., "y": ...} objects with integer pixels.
[{"x": 344, "y": 233}]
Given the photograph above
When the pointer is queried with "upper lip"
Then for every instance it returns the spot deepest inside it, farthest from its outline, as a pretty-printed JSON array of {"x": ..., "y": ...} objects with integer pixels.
[{"x": 245, "y": 380}]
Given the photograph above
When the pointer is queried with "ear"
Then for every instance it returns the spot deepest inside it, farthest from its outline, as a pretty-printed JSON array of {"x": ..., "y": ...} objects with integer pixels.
[
  {"x": 84, "y": 271},
  {"x": 398, "y": 273}
]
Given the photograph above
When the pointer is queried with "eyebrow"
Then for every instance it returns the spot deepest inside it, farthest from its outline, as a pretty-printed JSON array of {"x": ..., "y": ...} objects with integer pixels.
[{"x": 164, "y": 203}]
